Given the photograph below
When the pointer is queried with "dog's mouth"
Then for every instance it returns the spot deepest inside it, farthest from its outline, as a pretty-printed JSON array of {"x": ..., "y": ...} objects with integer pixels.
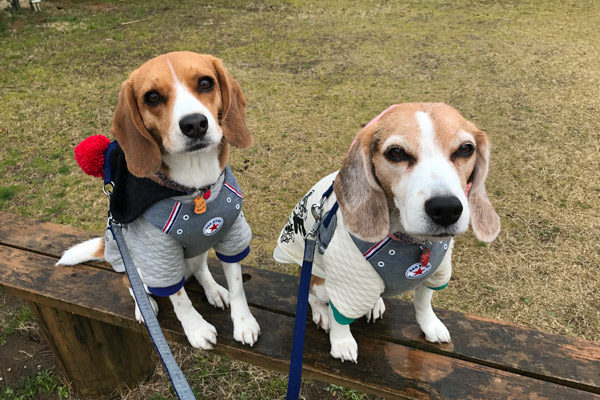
[{"x": 203, "y": 144}]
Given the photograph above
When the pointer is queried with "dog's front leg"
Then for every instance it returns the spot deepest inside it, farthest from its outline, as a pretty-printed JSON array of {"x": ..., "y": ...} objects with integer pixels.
[
  {"x": 434, "y": 330},
  {"x": 200, "y": 333},
  {"x": 216, "y": 294},
  {"x": 343, "y": 344},
  {"x": 245, "y": 327}
]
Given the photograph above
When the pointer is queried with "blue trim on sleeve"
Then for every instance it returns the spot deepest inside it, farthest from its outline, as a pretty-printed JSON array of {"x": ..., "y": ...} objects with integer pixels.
[
  {"x": 438, "y": 288},
  {"x": 166, "y": 291},
  {"x": 341, "y": 319},
  {"x": 235, "y": 258}
]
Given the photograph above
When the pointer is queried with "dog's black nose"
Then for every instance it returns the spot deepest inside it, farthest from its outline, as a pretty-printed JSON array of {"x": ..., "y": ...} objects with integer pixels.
[
  {"x": 444, "y": 210},
  {"x": 193, "y": 125}
]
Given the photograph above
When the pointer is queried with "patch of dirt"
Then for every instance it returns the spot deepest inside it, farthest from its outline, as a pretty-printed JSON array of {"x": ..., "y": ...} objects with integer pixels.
[{"x": 24, "y": 354}]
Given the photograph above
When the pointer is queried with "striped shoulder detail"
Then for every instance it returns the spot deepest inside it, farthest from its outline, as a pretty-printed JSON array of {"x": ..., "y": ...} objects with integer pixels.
[
  {"x": 376, "y": 247},
  {"x": 234, "y": 190},
  {"x": 172, "y": 217}
]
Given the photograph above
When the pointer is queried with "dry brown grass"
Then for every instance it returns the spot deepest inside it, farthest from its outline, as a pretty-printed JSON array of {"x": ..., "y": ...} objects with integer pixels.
[{"x": 525, "y": 72}]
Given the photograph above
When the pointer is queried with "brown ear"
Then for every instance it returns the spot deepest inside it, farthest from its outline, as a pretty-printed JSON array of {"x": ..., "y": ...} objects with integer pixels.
[
  {"x": 233, "y": 113},
  {"x": 484, "y": 219},
  {"x": 361, "y": 199},
  {"x": 141, "y": 151}
]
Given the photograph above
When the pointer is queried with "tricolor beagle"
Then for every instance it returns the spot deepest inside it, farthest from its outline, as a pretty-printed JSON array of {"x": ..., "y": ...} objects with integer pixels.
[
  {"x": 176, "y": 117},
  {"x": 412, "y": 180}
]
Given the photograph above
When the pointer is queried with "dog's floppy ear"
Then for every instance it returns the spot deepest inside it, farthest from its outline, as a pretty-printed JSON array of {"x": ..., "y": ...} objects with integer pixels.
[
  {"x": 233, "y": 112},
  {"x": 362, "y": 200},
  {"x": 484, "y": 219},
  {"x": 141, "y": 150}
]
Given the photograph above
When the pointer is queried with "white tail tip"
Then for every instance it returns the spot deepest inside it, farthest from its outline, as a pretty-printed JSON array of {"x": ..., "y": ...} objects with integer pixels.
[{"x": 92, "y": 249}]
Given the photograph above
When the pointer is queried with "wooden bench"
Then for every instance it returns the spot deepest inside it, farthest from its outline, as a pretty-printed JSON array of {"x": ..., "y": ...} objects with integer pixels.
[{"x": 87, "y": 318}]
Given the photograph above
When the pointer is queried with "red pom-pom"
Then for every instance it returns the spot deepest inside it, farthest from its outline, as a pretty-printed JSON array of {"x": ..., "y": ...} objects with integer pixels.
[{"x": 89, "y": 154}]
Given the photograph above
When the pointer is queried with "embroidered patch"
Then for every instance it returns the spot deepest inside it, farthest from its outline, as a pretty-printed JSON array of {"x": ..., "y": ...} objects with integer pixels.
[
  {"x": 417, "y": 270},
  {"x": 213, "y": 226}
]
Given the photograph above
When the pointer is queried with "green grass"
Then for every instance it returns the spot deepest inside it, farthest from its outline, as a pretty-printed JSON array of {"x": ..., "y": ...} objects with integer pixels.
[
  {"x": 43, "y": 383},
  {"x": 15, "y": 321},
  {"x": 525, "y": 72}
]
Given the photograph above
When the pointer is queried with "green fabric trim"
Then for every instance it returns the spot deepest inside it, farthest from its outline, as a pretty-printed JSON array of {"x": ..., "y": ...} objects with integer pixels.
[
  {"x": 342, "y": 320},
  {"x": 438, "y": 288}
]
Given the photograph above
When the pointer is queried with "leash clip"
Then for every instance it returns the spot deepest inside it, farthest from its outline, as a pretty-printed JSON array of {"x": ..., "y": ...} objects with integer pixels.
[
  {"x": 108, "y": 188},
  {"x": 316, "y": 211}
]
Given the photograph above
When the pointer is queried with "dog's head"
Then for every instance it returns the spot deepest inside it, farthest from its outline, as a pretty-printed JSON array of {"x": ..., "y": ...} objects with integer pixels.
[
  {"x": 178, "y": 103},
  {"x": 427, "y": 165}
]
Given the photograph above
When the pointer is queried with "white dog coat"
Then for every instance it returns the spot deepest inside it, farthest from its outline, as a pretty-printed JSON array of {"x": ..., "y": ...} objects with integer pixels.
[{"x": 353, "y": 284}]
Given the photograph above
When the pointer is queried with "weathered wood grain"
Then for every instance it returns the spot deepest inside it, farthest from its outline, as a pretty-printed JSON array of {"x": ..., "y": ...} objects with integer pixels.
[
  {"x": 98, "y": 358},
  {"x": 385, "y": 368},
  {"x": 493, "y": 344}
]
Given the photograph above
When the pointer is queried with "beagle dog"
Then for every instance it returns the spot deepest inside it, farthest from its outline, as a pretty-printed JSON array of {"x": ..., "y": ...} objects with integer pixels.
[
  {"x": 412, "y": 180},
  {"x": 176, "y": 117}
]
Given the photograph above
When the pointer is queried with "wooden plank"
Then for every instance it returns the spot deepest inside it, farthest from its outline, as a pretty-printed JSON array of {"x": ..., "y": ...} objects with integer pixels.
[
  {"x": 39, "y": 237},
  {"x": 393, "y": 370},
  {"x": 492, "y": 343},
  {"x": 560, "y": 359}
]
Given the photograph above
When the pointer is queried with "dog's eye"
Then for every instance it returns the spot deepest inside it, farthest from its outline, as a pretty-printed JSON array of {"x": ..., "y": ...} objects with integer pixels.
[
  {"x": 205, "y": 84},
  {"x": 397, "y": 154},
  {"x": 153, "y": 98},
  {"x": 464, "y": 151}
]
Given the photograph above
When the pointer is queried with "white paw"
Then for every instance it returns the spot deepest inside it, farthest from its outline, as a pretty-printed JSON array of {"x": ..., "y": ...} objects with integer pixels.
[
  {"x": 217, "y": 295},
  {"x": 200, "y": 333},
  {"x": 377, "y": 311},
  {"x": 246, "y": 329},
  {"x": 435, "y": 331},
  {"x": 344, "y": 348},
  {"x": 320, "y": 315},
  {"x": 138, "y": 313}
]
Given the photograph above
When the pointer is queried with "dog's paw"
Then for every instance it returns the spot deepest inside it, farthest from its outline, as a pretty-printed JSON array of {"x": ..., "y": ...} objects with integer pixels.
[
  {"x": 320, "y": 316},
  {"x": 217, "y": 295},
  {"x": 345, "y": 349},
  {"x": 435, "y": 331},
  {"x": 377, "y": 311},
  {"x": 245, "y": 329},
  {"x": 200, "y": 333}
]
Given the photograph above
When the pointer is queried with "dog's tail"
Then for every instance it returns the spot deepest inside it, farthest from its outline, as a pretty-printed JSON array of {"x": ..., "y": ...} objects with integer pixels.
[{"x": 92, "y": 249}]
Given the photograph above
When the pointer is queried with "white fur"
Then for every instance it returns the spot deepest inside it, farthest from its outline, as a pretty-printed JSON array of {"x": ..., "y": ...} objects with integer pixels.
[
  {"x": 433, "y": 175},
  {"x": 185, "y": 104},
  {"x": 245, "y": 327},
  {"x": 197, "y": 169},
  {"x": 81, "y": 252},
  {"x": 319, "y": 305},
  {"x": 343, "y": 344},
  {"x": 200, "y": 333},
  {"x": 434, "y": 330}
]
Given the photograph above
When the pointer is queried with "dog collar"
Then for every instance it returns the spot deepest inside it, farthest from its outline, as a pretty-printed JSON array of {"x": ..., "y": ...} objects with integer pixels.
[{"x": 171, "y": 184}]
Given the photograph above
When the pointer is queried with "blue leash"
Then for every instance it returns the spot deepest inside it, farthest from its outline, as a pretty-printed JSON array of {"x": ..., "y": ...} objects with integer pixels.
[
  {"x": 295, "y": 379},
  {"x": 310, "y": 241},
  {"x": 180, "y": 384}
]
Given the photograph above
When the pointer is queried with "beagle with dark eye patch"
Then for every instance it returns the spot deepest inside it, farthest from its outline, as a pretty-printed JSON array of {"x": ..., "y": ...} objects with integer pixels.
[
  {"x": 176, "y": 117},
  {"x": 413, "y": 179}
]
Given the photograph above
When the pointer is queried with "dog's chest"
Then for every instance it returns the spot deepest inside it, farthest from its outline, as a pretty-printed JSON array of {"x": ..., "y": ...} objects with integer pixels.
[
  {"x": 398, "y": 263},
  {"x": 197, "y": 233}
]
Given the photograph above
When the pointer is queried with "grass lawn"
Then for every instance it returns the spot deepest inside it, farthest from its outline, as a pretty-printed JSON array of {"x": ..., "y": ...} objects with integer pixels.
[{"x": 526, "y": 72}]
